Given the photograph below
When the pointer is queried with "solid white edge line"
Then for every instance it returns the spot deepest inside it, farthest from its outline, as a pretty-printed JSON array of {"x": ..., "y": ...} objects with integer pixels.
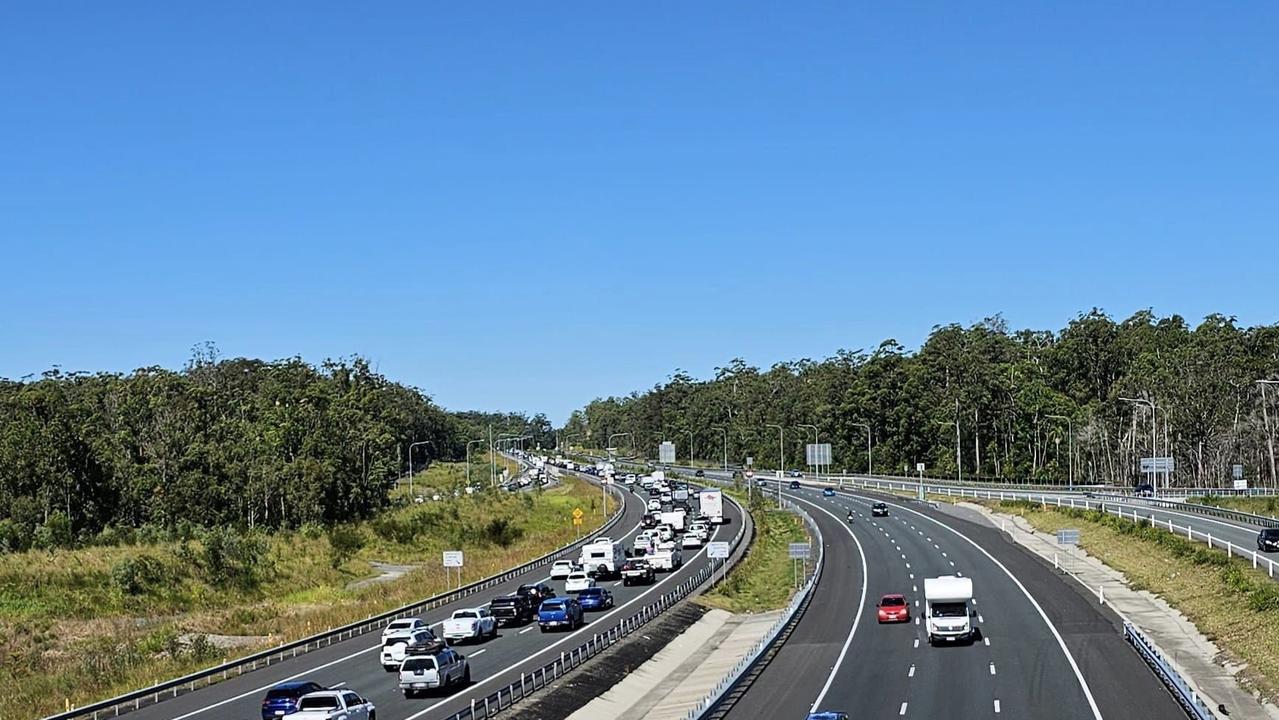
[
  {"x": 1079, "y": 676},
  {"x": 861, "y": 606}
]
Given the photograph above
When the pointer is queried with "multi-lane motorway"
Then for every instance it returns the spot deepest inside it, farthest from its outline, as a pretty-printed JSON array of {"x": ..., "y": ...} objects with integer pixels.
[
  {"x": 354, "y": 663},
  {"x": 1046, "y": 651}
]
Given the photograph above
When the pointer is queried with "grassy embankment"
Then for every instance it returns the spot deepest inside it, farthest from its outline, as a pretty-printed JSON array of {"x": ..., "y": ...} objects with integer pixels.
[
  {"x": 1233, "y": 605},
  {"x": 74, "y": 626},
  {"x": 1254, "y": 505},
  {"x": 764, "y": 579}
]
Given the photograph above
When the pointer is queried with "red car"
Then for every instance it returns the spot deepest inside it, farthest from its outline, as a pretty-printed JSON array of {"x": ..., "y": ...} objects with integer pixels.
[{"x": 893, "y": 608}]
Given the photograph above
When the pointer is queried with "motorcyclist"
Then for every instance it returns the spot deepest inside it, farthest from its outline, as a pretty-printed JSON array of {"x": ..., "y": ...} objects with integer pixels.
[{"x": 850, "y": 516}]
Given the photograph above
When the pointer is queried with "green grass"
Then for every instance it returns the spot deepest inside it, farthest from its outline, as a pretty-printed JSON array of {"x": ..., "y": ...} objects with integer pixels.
[
  {"x": 1230, "y": 603},
  {"x": 67, "y": 630},
  {"x": 1254, "y": 505},
  {"x": 764, "y": 579}
]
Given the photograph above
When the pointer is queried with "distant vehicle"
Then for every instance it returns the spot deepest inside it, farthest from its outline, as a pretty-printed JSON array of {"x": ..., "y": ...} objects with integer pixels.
[
  {"x": 558, "y": 613},
  {"x": 650, "y": 519},
  {"x": 334, "y": 705},
  {"x": 879, "y": 509},
  {"x": 700, "y": 529},
  {"x": 283, "y": 698},
  {"x": 563, "y": 568},
  {"x": 629, "y": 479},
  {"x": 514, "y": 609},
  {"x": 443, "y": 668},
  {"x": 795, "y": 474},
  {"x": 602, "y": 557},
  {"x": 667, "y": 560},
  {"x": 396, "y": 647},
  {"x": 794, "y": 484},
  {"x": 946, "y": 611},
  {"x": 665, "y": 532},
  {"x": 537, "y": 591},
  {"x": 469, "y": 624},
  {"x": 1268, "y": 540},
  {"x": 893, "y": 609},
  {"x": 828, "y": 492},
  {"x": 666, "y": 497},
  {"x": 761, "y": 482},
  {"x": 1146, "y": 490},
  {"x": 674, "y": 518},
  {"x": 828, "y": 715},
  {"x": 595, "y": 598},
  {"x": 654, "y": 505},
  {"x": 404, "y": 625},
  {"x": 700, "y": 473},
  {"x": 691, "y": 541},
  {"x": 578, "y": 581},
  {"x": 637, "y": 572},
  {"x": 710, "y": 504}
]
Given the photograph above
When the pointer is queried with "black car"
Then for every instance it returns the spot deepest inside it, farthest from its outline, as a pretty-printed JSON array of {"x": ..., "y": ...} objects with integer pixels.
[
  {"x": 1145, "y": 490},
  {"x": 794, "y": 484},
  {"x": 879, "y": 509},
  {"x": 513, "y": 609},
  {"x": 649, "y": 520},
  {"x": 537, "y": 591},
  {"x": 1268, "y": 540},
  {"x": 700, "y": 473}
]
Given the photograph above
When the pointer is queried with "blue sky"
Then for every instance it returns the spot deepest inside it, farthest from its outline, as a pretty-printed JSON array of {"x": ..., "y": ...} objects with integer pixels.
[{"x": 527, "y": 205}]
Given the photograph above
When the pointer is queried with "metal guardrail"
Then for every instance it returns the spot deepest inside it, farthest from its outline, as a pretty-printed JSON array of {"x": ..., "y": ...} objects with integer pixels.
[
  {"x": 713, "y": 698},
  {"x": 1202, "y": 509},
  {"x": 168, "y": 689},
  {"x": 539, "y": 678},
  {"x": 1181, "y": 690}
]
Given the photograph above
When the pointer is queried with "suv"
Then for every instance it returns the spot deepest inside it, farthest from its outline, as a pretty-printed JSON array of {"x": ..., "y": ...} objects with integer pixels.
[
  {"x": 638, "y": 571},
  {"x": 512, "y": 609},
  {"x": 1268, "y": 540},
  {"x": 879, "y": 509},
  {"x": 563, "y": 612},
  {"x": 440, "y": 669},
  {"x": 395, "y": 647},
  {"x": 536, "y": 592}
]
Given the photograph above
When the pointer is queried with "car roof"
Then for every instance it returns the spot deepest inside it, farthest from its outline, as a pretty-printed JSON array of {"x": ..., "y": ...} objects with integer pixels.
[
  {"x": 295, "y": 684},
  {"x": 892, "y": 595}
]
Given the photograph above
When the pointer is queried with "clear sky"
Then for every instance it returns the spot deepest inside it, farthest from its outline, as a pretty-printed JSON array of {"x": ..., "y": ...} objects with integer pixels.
[{"x": 527, "y": 205}]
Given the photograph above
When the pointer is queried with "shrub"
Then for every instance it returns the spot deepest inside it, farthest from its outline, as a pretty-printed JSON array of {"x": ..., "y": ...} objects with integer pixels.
[
  {"x": 503, "y": 532},
  {"x": 14, "y": 537},
  {"x": 138, "y": 575},
  {"x": 55, "y": 532},
  {"x": 344, "y": 542},
  {"x": 231, "y": 558}
]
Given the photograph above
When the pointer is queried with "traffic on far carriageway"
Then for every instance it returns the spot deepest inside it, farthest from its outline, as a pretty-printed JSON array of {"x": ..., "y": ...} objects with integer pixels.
[{"x": 420, "y": 676}]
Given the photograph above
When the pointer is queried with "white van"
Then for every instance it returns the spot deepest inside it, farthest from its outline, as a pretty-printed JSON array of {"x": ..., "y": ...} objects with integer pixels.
[{"x": 947, "y": 614}]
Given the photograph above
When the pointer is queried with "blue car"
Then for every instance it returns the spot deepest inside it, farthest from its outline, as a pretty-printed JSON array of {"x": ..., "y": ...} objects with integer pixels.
[
  {"x": 595, "y": 598},
  {"x": 827, "y": 492},
  {"x": 828, "y": 716},
  {"x": 560, "y": 613},
  {"x": 283, "y": 698}
]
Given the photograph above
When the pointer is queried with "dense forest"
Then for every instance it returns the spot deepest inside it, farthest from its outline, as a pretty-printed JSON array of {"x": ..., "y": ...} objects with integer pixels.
[
  {"x": 238, "y": 442},
  {"x": 1016, "y": 398}
]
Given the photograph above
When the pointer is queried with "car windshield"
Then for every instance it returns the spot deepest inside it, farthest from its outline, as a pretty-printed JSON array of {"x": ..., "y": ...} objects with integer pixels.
[
  {"x": 292, "y": 692},
  {"x": 893, "y": 602},
  {"x": 950, "y": 609},
  {"x": 400, "y": 625},
  {"x": 396, "y": 640},
  {"x": 553, "y": 605},
  {"x": 591, "y": 592},
  {"x": 320, "y": 702},
  {"x": 419, "y": 663},
  {"x": 1270, "y": 534},
  {"x": 466, "y": 614}
]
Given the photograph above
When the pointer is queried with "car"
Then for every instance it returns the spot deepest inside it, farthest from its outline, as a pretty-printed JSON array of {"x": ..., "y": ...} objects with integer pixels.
[
  {"x": 650, "y": 519},
  {"x": 557, "y": 613},
  {"x": 283, "y": 698},
  {"x": 1146, "y": 490},
  {"x": 396, "y": 647},
  {"x": 468, "y": 624},
  {"x": 665, "y": 532},
  {"x": 879, "y": 509},
  {"x": 513, "y": 609},
  {"x": 637, "y": 571},
  {"x": 761, "y": 482},
  {"x": 691, "y": 541},
  {"x": 796, "y": 474},
  {"x": 333, "y": 705},
  {"x": 794, "y": 484},
  {"x": 578, "y": 581},
  {"x": 536, "y": 591},
  {"x": 700, "y": 473},
  {"x": 893, "y": 608},
  {"x": 1268, "y": 540},
  {"x": 666, "y": 497},
  {"x": 828, "y": 715},
  {"x": 654, "y": 505},
  {"x": 563, "y": 568},
  {"x": 443, "y": 668},
  {"x": 595, "y": 598},
  {"x": 828, "y": 492},
  {"x": 404, "y": 625}
]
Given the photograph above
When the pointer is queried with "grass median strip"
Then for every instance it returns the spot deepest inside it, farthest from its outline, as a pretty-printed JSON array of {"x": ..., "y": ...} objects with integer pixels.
[
  {"x": 93, "y": 622},
  {"x": 764, "y": 579},
  {"x": 1232, "y": 604}
]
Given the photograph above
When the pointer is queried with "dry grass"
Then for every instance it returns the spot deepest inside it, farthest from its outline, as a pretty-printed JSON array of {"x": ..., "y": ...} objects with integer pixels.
[
  {"x": 66, "y": 632},
  {"x": 1230, "y": 603}
]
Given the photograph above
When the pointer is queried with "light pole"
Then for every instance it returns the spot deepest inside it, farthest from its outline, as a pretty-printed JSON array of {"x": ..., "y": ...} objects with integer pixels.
[
  {"x": 493, "y": 459},
  {"x": 1070, "y": 427},
  {"x": 818, "y": 474},
  {"x": 411, "y": 446},
  {"x": 725, "y": 431},
  {"x": 870, "y": 467},
  {"x": 1270, "y": 438},
  {"x": 622, "y": 434},
  {"x": 1154, "y": 447},
  {"x": 781, "y": 459},
  {"x": 959, "y": 470},
  {"x": 690, "y": 446}
]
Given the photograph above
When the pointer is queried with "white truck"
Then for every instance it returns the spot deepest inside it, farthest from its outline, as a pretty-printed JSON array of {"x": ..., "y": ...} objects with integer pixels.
[
  {"x": 470, "y": 624},
  {"x": 603, "y": 558},
  {"x": 710, "y": 505},
  {"x": 947, "y": 613},
  {"x": 674, "y": 518},
  {"x": 333, "y": 705}
]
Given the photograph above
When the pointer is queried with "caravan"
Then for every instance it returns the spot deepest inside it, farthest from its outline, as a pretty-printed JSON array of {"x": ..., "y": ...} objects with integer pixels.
[
  {"x": 603, "y": 558},
  {"x": 947, "y": 613}
]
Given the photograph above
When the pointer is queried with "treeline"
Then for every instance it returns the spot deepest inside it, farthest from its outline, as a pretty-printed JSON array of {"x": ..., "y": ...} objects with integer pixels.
[
  {"x": 237, "y": 442},
  {"x": 1007, "y": 391}
]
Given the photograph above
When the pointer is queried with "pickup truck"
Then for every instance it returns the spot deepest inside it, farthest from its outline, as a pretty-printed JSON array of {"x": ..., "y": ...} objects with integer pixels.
[
  {"x": 638, "y": 572},
  {"x": 469, "y": 624},
  {"x": 557, "y": 613},
  {"x": 441, "y": 669},
  {"x": 334, "y": 705},
  {"x": 536, "y": 592},
  {"x": 512, "y": 609}
]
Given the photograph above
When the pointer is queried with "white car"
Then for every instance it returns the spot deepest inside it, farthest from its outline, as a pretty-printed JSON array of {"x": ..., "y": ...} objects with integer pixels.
[
  {"x": 563, "y": 568},
  {"x": 442, "y": 668},
  {"x": 699, "y": 529},
  {"x": 469, "y": 624},
  {"x": 404, "y": 625},
  {"x": 691, "y": 540},
  {"x": 665, "y": 532},
  {"x": 578, "y": 581},
  {"x": 333, "y": 705},
  {"x": 655, "y": 505},
  {"x": 396, "y": 647}
]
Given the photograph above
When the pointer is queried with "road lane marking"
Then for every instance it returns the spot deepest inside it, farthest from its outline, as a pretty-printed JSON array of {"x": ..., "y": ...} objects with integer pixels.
[
  {"x": 996, "y": 706},
  {"x": 916, "y": 642},
  {"x": 527, "y": 629},
  {"x": 911, "y": 673},
  {"x": 903, "y": 710},
  {"x": 992, "y": 668},
  {"x": 479, "y": 652}
]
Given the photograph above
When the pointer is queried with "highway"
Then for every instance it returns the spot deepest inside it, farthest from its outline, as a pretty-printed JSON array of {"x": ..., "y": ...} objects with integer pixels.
[
  {"x": 354, "y": 663},
  {"x": 1046, "y": 650}
]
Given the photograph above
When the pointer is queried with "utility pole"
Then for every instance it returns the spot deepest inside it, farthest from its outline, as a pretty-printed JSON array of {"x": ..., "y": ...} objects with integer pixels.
[
  {"x": 1154, "y": 445},
  {"x": 1270, "y": 438},
  {"x": 870, "y": 467},
  {"x": 1070, "y": 425},
  {"x": 781, "y": 459},
  {"x": 411, "y": 446}
]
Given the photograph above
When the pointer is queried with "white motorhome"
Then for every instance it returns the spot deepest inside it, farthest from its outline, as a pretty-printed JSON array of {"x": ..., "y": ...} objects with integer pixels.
[
  {"x": 710, "y": 505},
  {"x": 947, "y": 610},
  {"x": 603, "y": 558}
]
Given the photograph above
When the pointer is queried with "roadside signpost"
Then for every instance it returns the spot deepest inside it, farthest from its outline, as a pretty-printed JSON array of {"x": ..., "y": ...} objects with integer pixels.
[
  {"x": 453, "y": 559},
  {"x": 919, "y": 467},
  {"x": 799, "y": 552},
  {"x": 1069, "y": 538},
  {"x": 717, "y": 551},
  {"x": 666, "y": 453}
]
